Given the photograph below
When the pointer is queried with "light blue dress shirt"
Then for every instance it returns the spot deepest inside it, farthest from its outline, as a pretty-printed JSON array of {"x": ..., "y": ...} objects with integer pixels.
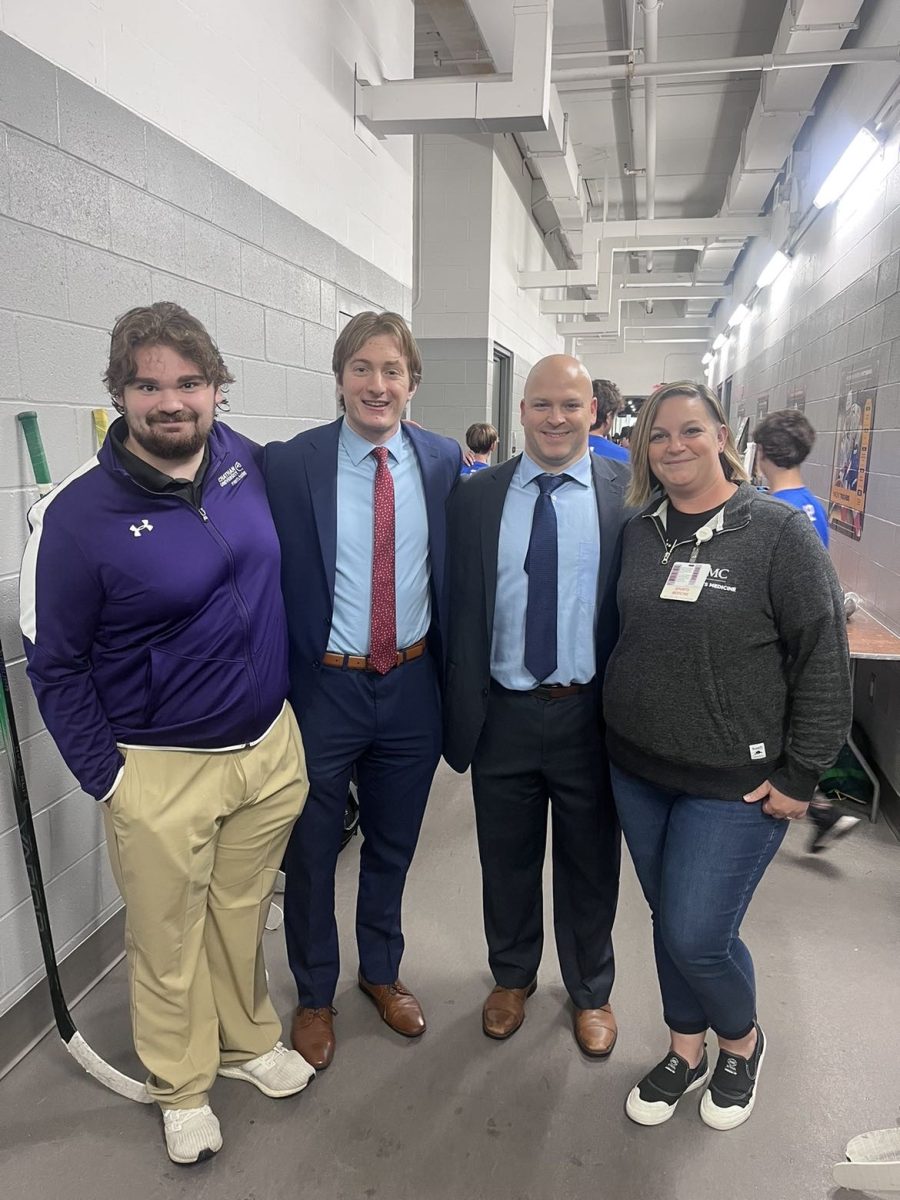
[
  {"x": 578, "y": 531},
  {"x": 351, "y": 619}
]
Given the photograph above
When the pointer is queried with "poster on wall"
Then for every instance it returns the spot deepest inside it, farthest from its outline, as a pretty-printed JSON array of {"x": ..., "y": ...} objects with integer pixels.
[
  {"x": 762, "y": 406},
  {"x": 796, "y": 397},
  {"x": 739, "y": 414},
  {"x": 853, "y": 449}
]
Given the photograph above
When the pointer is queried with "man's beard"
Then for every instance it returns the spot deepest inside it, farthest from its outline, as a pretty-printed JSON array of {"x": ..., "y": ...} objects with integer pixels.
[{"x": 162, "y": 445}]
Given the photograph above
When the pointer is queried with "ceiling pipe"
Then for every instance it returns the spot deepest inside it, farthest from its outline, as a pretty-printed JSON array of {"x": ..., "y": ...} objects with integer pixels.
[
  {"x": 725, "y": 66},
  {"x": 629, "y": 176},
  {"x": 650, "y": 9},
  {"x": 568, "y": 54},
  {"x": 591, "y": 307},
  {"x": 615, "y": 325}
]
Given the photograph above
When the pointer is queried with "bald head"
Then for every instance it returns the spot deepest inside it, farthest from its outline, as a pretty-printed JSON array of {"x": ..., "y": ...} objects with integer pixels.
[
  {"x": 556, "y": 368},
  {"x": 558, "y": 409}
]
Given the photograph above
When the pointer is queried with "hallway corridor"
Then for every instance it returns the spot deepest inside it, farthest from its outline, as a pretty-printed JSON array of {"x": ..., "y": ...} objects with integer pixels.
[{"x": 457, "y": 1117}]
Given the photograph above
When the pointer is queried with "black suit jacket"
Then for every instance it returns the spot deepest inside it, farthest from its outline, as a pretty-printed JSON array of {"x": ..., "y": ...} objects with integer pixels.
[{"x": 475, "y": 510}]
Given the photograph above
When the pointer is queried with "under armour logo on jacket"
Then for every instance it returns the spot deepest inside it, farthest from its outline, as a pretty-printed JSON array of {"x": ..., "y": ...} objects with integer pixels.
[{"x": 144, "y": 527}]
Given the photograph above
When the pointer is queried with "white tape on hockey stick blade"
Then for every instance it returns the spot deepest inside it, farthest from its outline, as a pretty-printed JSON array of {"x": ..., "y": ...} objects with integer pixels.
[
  {"x": 71, "y": 1038},
  {"x": 130, "y": 1088}
]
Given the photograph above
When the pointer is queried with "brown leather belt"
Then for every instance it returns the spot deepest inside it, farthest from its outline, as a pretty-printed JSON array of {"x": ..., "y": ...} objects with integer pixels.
[
  {"x": 548, "y": 691},
  {"x": 357, "y": 662},
  {"x": 559, "y": 691}
]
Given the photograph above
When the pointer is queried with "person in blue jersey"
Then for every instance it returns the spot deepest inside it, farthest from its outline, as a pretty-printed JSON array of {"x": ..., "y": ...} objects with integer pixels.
[
  {"x": 784, "y": 440},
  {"x": 609, "y": 405},
  {"x": 481, "y": 440}
]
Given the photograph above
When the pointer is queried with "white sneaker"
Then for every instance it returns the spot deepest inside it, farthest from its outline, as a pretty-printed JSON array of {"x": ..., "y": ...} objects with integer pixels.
[
  {"x": 729, "y": 1099},
  {"x": 192, "y": 1134},
  {"x": 280, "y": 1072}
]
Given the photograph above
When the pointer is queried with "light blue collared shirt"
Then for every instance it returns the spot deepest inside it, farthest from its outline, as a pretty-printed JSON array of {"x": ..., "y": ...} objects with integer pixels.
[
  {"x": 578, "y": 532},
  {"x": 351, "y": 619}
]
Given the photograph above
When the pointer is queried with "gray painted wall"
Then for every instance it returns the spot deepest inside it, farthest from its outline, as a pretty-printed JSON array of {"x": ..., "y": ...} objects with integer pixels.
[
  {"x": 100, "y": 211},
  {"x": 858, "y": 325}
]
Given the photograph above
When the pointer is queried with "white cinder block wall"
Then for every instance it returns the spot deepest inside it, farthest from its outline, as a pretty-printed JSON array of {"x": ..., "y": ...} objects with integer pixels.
[
  {"x": 838, "y": 306},
  {"x": 265, "y": 91},
  {"x": 203, "y": 153}
]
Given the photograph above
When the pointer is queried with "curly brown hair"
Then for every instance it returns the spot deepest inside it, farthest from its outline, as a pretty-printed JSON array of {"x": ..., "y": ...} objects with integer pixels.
[{"x": 161, "y": 324}]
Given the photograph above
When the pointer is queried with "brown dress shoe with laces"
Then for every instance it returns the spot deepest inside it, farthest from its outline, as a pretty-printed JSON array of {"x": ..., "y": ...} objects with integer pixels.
[
  {"x": 504, "y": 1010},
  {"x": 312, "y": 1035},
  {"x": 397, "y": 1006},
  {"x": 596, "y": 1031}
]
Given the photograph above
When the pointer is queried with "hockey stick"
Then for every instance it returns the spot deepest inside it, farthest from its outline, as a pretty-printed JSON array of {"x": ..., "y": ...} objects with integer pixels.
[
  {"x": 101, "y": 424},
  {"x": 29, "y": 423},
  {"x": 72, "y": 1039}
]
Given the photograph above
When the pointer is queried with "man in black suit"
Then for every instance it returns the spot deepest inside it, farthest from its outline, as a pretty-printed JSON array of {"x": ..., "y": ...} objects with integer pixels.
[{"x": 534, "y": 546}]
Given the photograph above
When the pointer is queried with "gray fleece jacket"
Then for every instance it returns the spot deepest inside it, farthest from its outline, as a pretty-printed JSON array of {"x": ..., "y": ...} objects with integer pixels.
[{"x": 750, "y": 682}]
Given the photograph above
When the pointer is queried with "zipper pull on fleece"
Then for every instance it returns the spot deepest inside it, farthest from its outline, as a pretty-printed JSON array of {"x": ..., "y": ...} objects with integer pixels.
[{"x": 202, "y": 512}]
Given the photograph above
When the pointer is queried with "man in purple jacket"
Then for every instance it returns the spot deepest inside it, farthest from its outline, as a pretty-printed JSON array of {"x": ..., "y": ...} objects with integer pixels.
[{"x": 157, "y": 647}]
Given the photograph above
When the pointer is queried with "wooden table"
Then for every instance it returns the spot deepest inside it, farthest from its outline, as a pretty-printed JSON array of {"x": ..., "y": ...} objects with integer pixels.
[{"x": 869, "y": 639}]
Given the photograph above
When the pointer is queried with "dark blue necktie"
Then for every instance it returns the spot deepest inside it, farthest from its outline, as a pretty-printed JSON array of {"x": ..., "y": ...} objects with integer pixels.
[{"x": 541, "y": 567}]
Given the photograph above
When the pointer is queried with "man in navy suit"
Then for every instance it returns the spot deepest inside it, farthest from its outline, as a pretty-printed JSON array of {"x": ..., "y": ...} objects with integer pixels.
[
  {"x": 359, "y": 509},
  {"x": 534, "y": 558}
]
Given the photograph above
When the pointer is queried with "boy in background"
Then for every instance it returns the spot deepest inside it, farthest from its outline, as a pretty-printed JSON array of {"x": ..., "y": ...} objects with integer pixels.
[
  {"x": 481, "y": 439},
  {"x": 783, "y": 442}
]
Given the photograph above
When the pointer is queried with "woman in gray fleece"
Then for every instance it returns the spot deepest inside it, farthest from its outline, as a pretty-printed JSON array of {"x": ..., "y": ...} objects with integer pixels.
[{"x": 726, "y": 697}]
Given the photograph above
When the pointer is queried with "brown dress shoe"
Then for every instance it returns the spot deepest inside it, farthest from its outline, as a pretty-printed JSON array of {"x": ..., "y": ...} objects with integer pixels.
[
  {"x": 596, "y": 1030},
  {"x": 397, "y": 1006},
  {"x": 312, "y": 1035},
  {"x": 504, "y": 1010}
]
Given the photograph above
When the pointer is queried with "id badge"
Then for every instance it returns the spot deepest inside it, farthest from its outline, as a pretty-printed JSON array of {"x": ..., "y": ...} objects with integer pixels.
[{"x": 685, "y": 581}]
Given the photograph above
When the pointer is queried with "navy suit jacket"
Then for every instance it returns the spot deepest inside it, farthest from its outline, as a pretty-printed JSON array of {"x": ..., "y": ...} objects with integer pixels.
[
  {"x": 301, "y": 481},
  {"x": 474, "y": 537}
]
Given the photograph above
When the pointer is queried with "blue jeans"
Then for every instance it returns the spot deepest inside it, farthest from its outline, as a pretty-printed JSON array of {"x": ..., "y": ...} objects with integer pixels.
[{"x": 698, "y": 862}]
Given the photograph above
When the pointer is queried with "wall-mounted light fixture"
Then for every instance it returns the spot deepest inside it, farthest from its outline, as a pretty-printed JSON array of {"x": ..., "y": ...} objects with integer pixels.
[
  {"x": 741, "y": 313},
  {"x": 772, "y": 269},
  {"x": 860, "y": 151},
  {"x": 706, "y": 359},
  {"x": 720, "y": 342}
]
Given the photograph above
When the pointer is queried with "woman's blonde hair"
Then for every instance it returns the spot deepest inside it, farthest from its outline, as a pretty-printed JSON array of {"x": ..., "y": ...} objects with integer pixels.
[{"x": 643, "y": 481}]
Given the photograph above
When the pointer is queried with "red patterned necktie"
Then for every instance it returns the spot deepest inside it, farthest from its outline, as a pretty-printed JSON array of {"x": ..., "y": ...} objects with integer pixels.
[{"x": 383, "y": 628}]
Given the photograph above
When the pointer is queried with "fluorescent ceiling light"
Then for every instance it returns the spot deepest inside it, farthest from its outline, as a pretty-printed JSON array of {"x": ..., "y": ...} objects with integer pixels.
[
  {"x": 741, "y": 313},
  {"x": 863, "y": 147},
  {"x": 720, "y": 342},
  {"x": 707, "y": 358},
  {"x": 772, "y": 269}
]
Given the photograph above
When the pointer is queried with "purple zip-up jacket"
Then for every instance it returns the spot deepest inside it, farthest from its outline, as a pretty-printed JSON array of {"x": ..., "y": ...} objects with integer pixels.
[{"x": 148, "y": 623}]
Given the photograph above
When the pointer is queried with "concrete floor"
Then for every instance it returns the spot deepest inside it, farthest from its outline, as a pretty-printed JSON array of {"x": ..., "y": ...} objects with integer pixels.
[{"x": 455, "y": 1116}]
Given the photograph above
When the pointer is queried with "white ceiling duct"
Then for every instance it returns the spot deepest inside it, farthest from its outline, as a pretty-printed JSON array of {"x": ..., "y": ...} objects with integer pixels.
[
  {"x": 526, "y": 104},
  {"x": 474, "y": 103}
]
